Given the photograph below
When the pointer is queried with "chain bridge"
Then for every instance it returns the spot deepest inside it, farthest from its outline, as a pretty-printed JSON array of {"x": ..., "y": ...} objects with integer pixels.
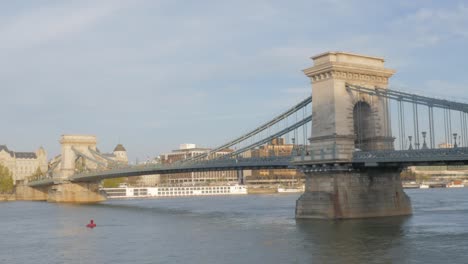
[{"x": 352, "y": 137}]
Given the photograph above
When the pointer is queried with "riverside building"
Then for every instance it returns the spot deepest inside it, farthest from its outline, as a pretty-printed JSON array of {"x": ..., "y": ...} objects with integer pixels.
[
  {"x": 23, "y": 164},
  {"x": 277, "y": 147},
  {"x": 193, "y": 178}
]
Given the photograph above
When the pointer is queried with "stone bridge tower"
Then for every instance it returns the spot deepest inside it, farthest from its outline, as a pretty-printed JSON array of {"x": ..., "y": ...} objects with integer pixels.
[
  {"x": 344, "y": 121},
  {"x": 70, "y": 144},
  {"x": 66, "y": 191}
]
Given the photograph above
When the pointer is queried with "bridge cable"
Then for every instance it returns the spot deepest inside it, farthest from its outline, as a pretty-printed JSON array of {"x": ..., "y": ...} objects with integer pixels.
[
  {"x": 304, "y": 128},
  {"x": 461, "y": 136},
  {"x": 450, "y": 127},
  {"x": 268, "y": 139},
  {"x": 373, "y": 140},
  {"x": 400, "y": 124},
  {"x": 430, "y": 111},
  {"x": 416, "y": 125},
  {"x": 296, "y": 134},
  {"x": 409, "y": 97},
  {"x": 446, "y": 126},
  {"x": 389, "y": 117},
  {"x": 462, "y": 121},
  {"x": 403, "y": 120},
  {"x": 306, "y": 131},
  {"x": 465, "y": 130}
]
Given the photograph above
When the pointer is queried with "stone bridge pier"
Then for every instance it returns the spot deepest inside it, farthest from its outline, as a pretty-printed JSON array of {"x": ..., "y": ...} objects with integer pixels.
[{"x": 345, "y": 121}]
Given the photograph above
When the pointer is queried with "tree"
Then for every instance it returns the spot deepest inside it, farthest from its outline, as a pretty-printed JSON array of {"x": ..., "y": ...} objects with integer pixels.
[
  {"x": 112, "y": 183},
  {"x": 36, "y": 175},
  {"x": 133, "y": 181},
  {"x": 6, "y": 180}
]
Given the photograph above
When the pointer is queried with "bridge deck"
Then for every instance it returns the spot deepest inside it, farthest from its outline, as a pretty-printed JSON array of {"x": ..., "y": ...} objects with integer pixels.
[
  {"x": 282, "y": 162},
  {"x": 400, "y": 158}
]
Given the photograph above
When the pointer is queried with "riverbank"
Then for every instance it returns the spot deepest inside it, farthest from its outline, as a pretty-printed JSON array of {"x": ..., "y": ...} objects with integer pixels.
[{"x": 7, "y": 197}]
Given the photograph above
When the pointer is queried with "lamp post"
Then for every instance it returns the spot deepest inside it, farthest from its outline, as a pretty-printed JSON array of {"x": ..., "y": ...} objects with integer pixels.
[
  {"x": 424, "y": 133},
  {"x": 410, "y": 143},
  {"x": 455, "y": 139}
]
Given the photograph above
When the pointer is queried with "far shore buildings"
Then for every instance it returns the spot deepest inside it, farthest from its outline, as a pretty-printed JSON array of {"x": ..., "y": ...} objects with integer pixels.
[
  {"x": 23, "y": 164},
  {"x": 188, "y": 151},
  {"x": 276, "y": 147}
]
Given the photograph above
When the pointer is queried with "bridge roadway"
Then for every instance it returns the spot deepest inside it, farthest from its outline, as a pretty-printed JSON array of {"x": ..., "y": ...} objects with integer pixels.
[
  {"x": 277, "y": 162},
  {"x": 394, "y": 158}
]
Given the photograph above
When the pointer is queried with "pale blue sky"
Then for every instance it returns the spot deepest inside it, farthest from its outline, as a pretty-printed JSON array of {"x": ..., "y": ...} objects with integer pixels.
[{"x": 154, "y": 74}]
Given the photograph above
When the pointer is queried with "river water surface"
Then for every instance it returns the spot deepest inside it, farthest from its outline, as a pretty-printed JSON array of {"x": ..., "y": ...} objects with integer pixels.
[{"x": 231, "y": 229}]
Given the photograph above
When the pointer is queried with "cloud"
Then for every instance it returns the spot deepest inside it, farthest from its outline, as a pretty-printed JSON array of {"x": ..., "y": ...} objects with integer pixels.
[
  {"x": 298, "y": 90},
  {"x": 447, "y": 89},
  {"x": 45, "y": 24},
  {"x": 430, "y": 26}
]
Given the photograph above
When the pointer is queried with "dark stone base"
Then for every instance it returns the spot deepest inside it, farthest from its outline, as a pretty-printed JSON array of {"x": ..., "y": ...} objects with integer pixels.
[{"x": 373, "y": 192}]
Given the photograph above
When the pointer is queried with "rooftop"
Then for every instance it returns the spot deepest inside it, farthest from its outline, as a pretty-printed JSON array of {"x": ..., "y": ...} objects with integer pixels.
[
  {"x": 119, "y": 147},
  {"x": 19, "y": 155}
]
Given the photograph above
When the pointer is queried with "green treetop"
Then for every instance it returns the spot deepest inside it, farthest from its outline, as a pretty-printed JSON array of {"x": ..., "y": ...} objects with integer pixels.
[{"x": 6, "y": 180}]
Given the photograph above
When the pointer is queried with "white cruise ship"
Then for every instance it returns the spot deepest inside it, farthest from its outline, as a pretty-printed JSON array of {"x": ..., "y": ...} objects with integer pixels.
[
  {"x": 154, "y": 192},
  {"x": 291, "y": 189}
]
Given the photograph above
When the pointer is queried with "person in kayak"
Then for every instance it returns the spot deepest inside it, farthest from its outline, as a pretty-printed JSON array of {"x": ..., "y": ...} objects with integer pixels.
[{"x": 91, "y": 224}]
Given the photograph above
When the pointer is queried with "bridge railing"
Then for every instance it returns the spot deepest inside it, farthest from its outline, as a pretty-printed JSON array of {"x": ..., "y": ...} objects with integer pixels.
[
  {"x": 308, "y": 154},
  {"x": 442, "y": 155}
]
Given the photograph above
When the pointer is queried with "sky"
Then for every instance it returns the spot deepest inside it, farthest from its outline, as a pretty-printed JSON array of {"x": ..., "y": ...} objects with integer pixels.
[{"x": 154, "y": 74}]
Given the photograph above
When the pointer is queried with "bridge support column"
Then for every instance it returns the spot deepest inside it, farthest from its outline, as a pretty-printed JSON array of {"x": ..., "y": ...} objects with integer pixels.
[
  {"x": 76, "y": 193},
  {"x": 240, "y": 177},
  {"x": 346, "y": 194}
]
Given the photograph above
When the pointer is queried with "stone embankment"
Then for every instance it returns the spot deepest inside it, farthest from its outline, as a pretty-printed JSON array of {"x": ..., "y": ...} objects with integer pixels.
[{"x": 7, "y": 197}]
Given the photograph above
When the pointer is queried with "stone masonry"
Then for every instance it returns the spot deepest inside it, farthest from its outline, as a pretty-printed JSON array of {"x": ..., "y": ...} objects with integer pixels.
[{"x": 344, "y": 121}]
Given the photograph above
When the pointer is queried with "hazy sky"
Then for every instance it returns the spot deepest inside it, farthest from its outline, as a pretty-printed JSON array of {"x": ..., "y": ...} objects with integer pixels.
[{"x": 154, "y": 74}]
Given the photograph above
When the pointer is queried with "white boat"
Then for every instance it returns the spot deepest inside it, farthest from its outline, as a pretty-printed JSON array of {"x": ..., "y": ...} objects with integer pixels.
[
  {"x": 410, "y": 185},
  {"x": 290, "y": 190},
  {"x": 154, "y": 192},
  {"x": 455, "y": 185},
  {"x": 423, "y": 186}
]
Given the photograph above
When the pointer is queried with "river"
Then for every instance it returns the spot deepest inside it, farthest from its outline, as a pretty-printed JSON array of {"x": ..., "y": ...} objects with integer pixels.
[{"x": 231, "y": 229}]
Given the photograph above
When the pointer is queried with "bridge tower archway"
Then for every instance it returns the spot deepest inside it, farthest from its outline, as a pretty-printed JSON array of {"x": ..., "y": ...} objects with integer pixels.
[{"x": 363, "y": 126}]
